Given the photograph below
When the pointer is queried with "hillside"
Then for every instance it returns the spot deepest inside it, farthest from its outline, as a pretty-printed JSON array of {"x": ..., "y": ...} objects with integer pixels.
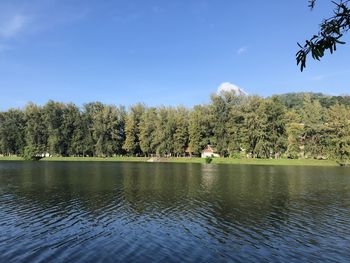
[{"x": 295, "y": 100}]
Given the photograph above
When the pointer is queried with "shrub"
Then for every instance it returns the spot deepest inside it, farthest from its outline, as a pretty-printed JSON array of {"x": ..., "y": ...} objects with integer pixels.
[{"x": 208, "y": 159}]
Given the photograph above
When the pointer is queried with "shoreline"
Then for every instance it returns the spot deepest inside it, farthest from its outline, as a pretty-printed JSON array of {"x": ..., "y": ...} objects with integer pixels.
[{"x": 279, "y": 162}]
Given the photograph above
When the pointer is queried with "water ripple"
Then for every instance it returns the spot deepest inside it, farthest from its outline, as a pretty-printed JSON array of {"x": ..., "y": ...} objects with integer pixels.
[{"x": 173, "y": 213}]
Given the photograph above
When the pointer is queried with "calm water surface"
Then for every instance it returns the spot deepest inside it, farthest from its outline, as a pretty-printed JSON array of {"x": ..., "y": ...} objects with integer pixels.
[{"x": 144, "y": 212}]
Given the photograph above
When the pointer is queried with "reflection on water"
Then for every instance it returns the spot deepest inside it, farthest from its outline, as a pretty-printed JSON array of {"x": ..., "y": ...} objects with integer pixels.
[{"x": 88, "y": 212}]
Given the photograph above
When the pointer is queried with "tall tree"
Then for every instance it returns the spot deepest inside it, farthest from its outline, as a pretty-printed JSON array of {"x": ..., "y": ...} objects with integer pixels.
[
  {"x": 82, "y": 142},
  {"x": 12, "y": 127},
  {"x": 105, "y": 131},
  {"x": 53, "y": 118},
  {"x": 181, "y": 139},
  {"x": 120, "y": 135},
  {"x": 235, "y": 126},
  {"x": 69, "y": 127},
  {"x": 253, "y": 126},
  {"x": 220, "y": 109},
  {"x": 35, "y": 132},
  {"x": 91, "y": 110},
  {"x": 147, "y": 128},
  {"x": 338, "y": 122},
  {"x": 295, "y": 132},
  {"x": 165, "y": 130},
  {"x": 132, "y": 133},
  {"x": 312, "y": 116},
  {"x": 199, "y": 128},
  {"x": 274, "y": 136}
]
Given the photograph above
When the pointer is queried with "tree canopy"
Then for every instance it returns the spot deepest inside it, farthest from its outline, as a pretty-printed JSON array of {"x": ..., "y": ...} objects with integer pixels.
[
  {"x": 329, "y": 35},
  {"x": 296, "y": 125}
]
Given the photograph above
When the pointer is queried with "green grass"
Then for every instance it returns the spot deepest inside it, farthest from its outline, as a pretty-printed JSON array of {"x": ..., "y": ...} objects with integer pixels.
[
  {"x": 11, "y": 158},
  {"x": 184, "y": 160},
  {"x": 96, "y": 159},
  {"x": 302, "y": 162}
]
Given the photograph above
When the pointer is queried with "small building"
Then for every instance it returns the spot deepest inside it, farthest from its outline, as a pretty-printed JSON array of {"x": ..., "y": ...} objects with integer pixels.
[{"x": 209, "y": 151}]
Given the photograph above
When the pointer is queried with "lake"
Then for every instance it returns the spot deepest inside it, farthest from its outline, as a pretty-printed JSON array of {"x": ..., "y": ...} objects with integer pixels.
[{"x": 162, "y": 212}]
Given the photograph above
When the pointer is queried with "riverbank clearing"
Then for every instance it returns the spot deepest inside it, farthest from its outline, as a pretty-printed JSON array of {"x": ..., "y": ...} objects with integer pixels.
[{"x": 301, "y": 162}]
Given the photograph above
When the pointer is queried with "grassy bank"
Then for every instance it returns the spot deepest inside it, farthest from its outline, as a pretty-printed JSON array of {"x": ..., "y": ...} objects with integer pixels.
[
  {"x": 303, "y": 162},
  {"x": 96, "y": 159},
  {"x": 11, "y": 158},
  {"x": 79, "y": 159}
]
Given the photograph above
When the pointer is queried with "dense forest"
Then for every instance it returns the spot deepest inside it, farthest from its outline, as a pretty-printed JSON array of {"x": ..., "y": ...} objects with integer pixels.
[{"x": 297, "y": 125}]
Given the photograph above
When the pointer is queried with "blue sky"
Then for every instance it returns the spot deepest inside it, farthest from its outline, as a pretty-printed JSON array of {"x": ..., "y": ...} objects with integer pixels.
[{"x": 159, "y": 52}]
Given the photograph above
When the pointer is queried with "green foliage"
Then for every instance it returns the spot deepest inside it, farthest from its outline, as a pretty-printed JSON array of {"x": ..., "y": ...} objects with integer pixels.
[
  {"x": 237, "y": 126},
  {"x": 296, "y": 100},
  {"x": 31, "y": 153},
  {"x": 312, "y": 117},
  {"x": 208, "y": 159},
  {"x": 329, "y": 36},
  {"x": 36, "y": 132},
  {"x": 105, "y": 130},
  {"x": 253, "y": 126},
  {"x": 148, "y": 128},
  {"x": 338, "y": 124},
  {"x": 199, "y": 129},
  {"x": 165, "y": 130},
  {"x": 53, "y": 118},
  {"x": 274, "y": 134},
  {"x": 220, "y": 110},
  {"x": 82, "y": 143},
  {"x": 180, "y": 137},
  {"x": 132, "y": 132},
  {"x": 71, "y": 126},
  {"x": 295, "y": 131},
  {"x": 12, "y": 131}
]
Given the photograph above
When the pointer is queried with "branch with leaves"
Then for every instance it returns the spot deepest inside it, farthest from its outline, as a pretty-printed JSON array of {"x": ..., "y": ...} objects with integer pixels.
[{"x": 329, "y": 36}]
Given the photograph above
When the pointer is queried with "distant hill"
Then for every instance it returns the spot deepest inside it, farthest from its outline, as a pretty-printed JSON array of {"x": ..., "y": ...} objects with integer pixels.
[{"x": 295, "y": 100}]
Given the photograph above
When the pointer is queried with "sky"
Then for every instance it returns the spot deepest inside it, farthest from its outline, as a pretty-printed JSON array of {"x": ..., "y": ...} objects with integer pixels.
[{"x": 159, "y": 52}]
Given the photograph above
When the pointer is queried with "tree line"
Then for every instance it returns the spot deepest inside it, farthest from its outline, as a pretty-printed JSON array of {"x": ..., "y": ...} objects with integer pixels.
[{"x": 285, "y": 126}]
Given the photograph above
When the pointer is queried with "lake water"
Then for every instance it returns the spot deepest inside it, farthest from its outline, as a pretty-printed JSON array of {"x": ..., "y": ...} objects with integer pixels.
[{"x": 157, "y": 212}]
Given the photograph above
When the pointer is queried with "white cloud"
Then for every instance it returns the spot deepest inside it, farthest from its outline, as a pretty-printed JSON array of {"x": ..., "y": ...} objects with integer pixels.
[
  {"x": 13, "y": 26},
  {"x": 229, "y": 87},
  {"x": 242, "y": 50}
]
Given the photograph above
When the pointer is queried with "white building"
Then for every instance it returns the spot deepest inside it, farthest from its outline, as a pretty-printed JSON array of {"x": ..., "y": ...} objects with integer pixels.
[{"x": 209, "y": 151}]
